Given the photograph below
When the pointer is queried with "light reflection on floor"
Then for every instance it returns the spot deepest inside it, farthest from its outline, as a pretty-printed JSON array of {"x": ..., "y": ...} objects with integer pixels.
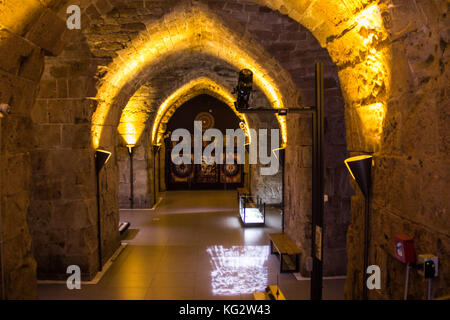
[
  {"x": 193, "y": 255},
  {"x": 238, "y": 269}
]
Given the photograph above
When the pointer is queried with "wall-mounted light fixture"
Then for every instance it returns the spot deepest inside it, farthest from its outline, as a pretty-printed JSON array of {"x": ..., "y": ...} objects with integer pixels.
[
  {"x": 101, "y": 158},
  {"x": 360, "y": 168}
]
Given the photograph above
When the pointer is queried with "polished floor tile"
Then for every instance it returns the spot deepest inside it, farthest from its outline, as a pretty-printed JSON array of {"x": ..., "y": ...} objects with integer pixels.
[{"x": 193, "y": 246}]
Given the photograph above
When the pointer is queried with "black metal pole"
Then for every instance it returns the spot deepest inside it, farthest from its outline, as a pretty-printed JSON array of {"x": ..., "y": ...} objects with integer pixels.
[
  {"x": 154, "y": 175},
  {"x": 99, "y": 228},
  {"x": 366, "y": 247},
  {"x": 130, "y": 152},
  {"x": 159, "y": 169},
  {"x": 283, "y": 157},
  {"x": 317, "y": 188}
]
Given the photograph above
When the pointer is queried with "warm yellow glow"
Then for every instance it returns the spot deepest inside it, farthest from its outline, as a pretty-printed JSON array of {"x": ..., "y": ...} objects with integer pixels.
[
  {"x": 244, "y": 127},
  {"x": 129, "y": 133},
  {"x": 16, "y": 15},
  {"x": 277, "y": 149},
  {"x": 185, "y": 93},
  {"x": 194, "y": 31},
  {"x": 135, "y": 115},
  {"x": 374, "y": 72},
  {"x": 106, "y": 152},
  {"x": 372, "y": 117},
  {"x": 370, "y": 18}
]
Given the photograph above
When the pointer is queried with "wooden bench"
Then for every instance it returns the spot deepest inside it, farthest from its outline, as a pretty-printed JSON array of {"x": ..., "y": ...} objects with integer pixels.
[{"x": 289, "y": 253}]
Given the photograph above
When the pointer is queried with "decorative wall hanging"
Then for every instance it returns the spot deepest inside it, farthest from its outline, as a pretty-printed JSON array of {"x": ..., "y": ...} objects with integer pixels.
[{"x": 207, "y": 120}]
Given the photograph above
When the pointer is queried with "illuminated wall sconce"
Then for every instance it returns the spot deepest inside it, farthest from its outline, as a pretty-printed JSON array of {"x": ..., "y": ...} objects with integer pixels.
[
  {"x": 360, "y": 168},
  {"x": 130, "y": 148},
  {"x": 101, "y": 158}
]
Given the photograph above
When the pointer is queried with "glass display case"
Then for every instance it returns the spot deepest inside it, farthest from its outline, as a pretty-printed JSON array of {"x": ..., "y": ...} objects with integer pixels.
[{"x": 251, "y": 210}]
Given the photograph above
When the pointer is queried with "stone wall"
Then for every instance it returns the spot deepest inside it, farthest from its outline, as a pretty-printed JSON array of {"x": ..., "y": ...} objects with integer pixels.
[
  {"x": 267, "y": 187},
  {"x": 25, "y": 36},
  {"x": 175, "y": 72},
  {"x": 142, "y": 175},
  {"x": 63, "y": 209},
  {"x": 393, "y": 73},
  {"x": 411, "y": 166},
  {"x": 112, "y": 27},
  {"x": 22, "y": 50},
  {"x": 290, "y": 44},
  {"x": 297, "y": 50},
  {"x": 400, "y": 72}
]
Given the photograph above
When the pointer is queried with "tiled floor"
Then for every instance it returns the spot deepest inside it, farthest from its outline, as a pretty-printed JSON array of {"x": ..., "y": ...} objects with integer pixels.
[{"x": 193, "y": 247}]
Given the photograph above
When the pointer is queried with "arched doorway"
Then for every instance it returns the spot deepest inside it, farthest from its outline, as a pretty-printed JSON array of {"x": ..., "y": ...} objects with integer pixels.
[{"x": 213, "y": 114}]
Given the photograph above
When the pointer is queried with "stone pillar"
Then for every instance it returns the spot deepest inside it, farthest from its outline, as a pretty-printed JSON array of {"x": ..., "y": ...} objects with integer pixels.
[
  {"x": 63, "y": 207},
  {"x": 298, "y": 184},
  {"x": 162, "y": 168}
]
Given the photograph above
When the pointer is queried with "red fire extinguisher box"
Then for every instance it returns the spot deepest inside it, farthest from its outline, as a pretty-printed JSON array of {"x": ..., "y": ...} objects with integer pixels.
[{"x": 404, "y": 248}]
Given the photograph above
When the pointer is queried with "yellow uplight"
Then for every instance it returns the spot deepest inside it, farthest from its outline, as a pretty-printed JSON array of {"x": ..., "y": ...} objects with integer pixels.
[
  {"x": 128, "y": 131},
  {"x": 135, "y": 115},
  {"x": 196, "y": 31},
  {"x": 187, "y": 92},
  {"x": 370, "y": 18},
  {"x": 372, "y": 117},
  {"x": 374, "y": 72}
]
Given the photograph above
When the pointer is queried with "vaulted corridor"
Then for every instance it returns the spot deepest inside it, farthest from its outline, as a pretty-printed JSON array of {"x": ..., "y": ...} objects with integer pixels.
[
  {"x": 193, "y": 247},
  {"x": 323, "y": 125}
]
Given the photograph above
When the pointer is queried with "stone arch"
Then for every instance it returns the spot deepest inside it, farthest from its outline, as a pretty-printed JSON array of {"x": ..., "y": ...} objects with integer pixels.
[
  {"x": 355, "y": 34},
  {"x": 176, "y": 71},
  {"x": 198, "y": 30},
  {"x": 188, "y": 91},
  {"x": 331, "y": 22}
]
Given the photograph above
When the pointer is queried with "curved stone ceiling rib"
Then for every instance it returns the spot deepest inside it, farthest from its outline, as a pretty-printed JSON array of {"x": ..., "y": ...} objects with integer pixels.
[
  {"x": 198, "y": 30},
  {"x": 137, "y": 111},
  {"x": 353, "y": 31},
  {"x": 209, "y": 75},
  {"x": 202, "y": 85}
]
